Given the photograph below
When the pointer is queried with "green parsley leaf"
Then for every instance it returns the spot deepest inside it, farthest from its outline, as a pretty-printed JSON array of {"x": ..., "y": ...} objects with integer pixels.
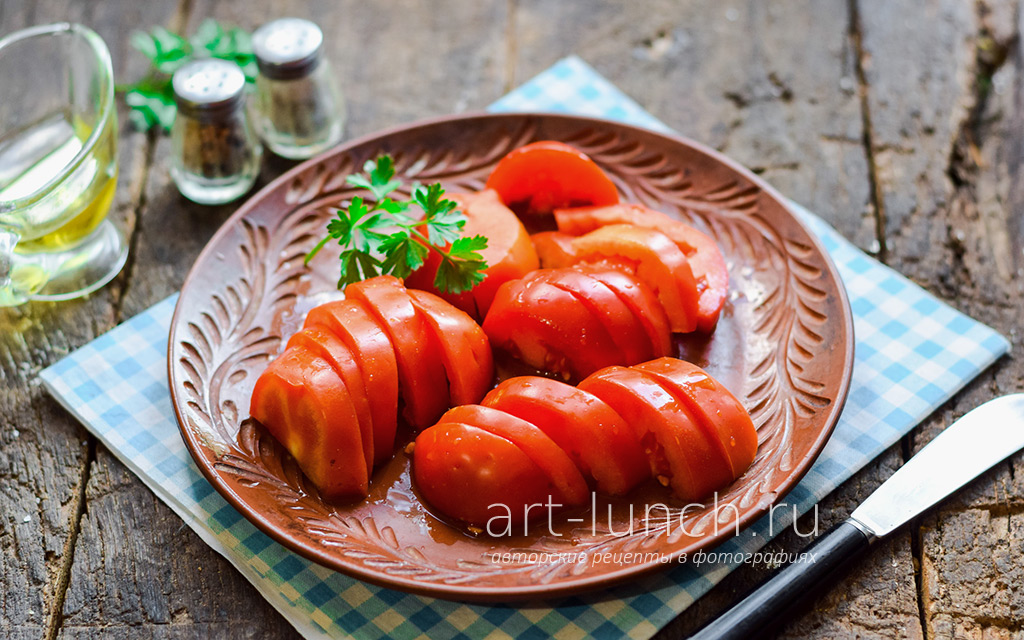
[{"x": 382, "y": 227}]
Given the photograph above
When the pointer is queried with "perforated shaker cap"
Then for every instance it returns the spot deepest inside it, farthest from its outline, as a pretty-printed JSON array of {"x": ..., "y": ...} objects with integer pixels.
[
  {"x": 287, "y": 48},
  {"x": 208, "y": 85}
]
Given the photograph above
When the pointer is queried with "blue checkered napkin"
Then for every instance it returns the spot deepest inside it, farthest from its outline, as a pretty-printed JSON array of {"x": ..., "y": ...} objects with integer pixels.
[{"x": 913, "y": 352}]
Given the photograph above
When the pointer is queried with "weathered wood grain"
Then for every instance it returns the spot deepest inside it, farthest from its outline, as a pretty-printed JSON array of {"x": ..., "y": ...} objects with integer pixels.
[
  {"x": 771, "y": 84},
  {"x": 45, "y": 454}
]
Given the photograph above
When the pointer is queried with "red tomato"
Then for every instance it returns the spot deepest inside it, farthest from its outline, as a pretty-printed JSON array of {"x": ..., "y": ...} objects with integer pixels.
[
  {"x": 319, "y": 341},
  {"x": 541, "y": 449},
  {"x": 301, "y": 400},
  {"x": 596, "y": 438},
  {"x": 465, "y": 350},
  {"x": 655, "y": 260},
  {"x": 554, "y": 249},
  {"x": 680, "y": 454},
  {"x": 543, "y": 176},
  {"x": 716, "y": 408},
  {"x": 706, "y": 259},
  {"x": 421, "y": 378},
  {"x": 472, "y": 475},
  {"x": 622, "y": 325},
  {"x": 373, "y": 352},
  {"x": 641, "y": 301},
  {"x": 509, "y": 254},
  {"x": 549, "y": 329}
]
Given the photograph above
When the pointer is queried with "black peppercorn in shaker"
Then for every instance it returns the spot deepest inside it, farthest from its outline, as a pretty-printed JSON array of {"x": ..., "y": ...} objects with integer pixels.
[
  {"x": 298, "y": 108},
  {"x": 216, "y": 152}
]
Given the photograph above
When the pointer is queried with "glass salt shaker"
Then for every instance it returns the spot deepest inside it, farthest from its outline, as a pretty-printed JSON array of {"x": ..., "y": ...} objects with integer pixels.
[
  {"x": 298, "y": 108},
  {"x": 216, "y": 151}
]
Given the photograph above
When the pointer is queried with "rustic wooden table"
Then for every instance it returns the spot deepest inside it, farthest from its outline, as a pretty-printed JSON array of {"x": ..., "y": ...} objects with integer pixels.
[{"x": 901, "y": 123}]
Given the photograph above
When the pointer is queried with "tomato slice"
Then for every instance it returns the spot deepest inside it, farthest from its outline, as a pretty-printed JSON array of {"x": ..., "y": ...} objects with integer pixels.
[
  {"x": 554, "y": 249},
  {"x": 639, "y": 298},
  {"x": 715, "y": 407},
  {"x": 680, "y": 454},
  {"x": 543, "y": 176},
  {"x": 319, "y": 341},
  {"x": 305, "y": 405},
  {"x": 548, "y": 329},
  {"x": 655, "y": 259},
  {"x": 622, "y": 325},
  {"x": 467, "y": 473},
  {"x": 547, "y": 455},
  {"x": 706, "y": 259},
  {"x": 596, "y": 438},
  {"x": 422, "y": 383},
  {"x": 465, "y": 350},
  {"x": 509, "y": 254},
  {"x": 373, "y": 352}
]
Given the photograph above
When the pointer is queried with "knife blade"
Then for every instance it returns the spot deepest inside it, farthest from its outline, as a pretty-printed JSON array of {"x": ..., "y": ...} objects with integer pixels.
[{"x": 971, "y": 445}]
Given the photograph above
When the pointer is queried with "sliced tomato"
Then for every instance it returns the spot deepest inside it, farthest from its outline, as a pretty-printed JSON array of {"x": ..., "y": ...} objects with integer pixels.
[
  {"x": 374, "y": 354},
  {"x": 509, "y": 253},
  {"x": 541, "y": 449},
  {"x": 473, "y": 475},
  {"x": 680, "y": 454},
  {"x": 716, "y": 408},
  {"x": 543, "y": 176},
  {"x": 305, "y": 405},
  {"x": 549, "y": 329},
  {"x": 639, "y": 298},
  {"x": 596, "y": 438},
  {"x": 465, "y": 350},
  {"x": 655, "y": 260},
  {"x": 554, "y": 249},
  {"x": 321, "y": 342},
  {"x": 706, "y": 259},
  {"x": 624, "y": 327},
  {"x": 422, "y": 382}
]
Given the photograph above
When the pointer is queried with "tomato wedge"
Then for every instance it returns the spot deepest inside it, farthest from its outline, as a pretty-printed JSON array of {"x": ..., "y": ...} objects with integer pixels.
[
  {"x": 509, "y": 254},
  {"x": 549, "y": 329},
  {"x": 680, "y": 454},
  {"x": 323, "y": 343},
  {"x": 375, "y": 356},
  {"x": 465, "y": 350},
  {"x": 473, "y": 475},
  {"x": 715, "y": 407},
  {"x": 596, "y": 438},
  {"x": 625, "y": 329},
  {"x": 554, "y": 249},
  {"x": 706, "y": 259},
  {"x": 639, "y": 298},
  {"x": 421, "y": 377},
  {"x": 301, "y": 400},
  {"x": 543, "y": 176},
  {"x": 655, "y": 260},
  {"x": 541, "y": 449}
]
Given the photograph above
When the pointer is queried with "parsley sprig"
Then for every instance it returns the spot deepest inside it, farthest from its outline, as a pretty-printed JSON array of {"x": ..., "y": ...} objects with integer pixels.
[
  {"x": 151, "y": 99},
  {"x": 379, "y": 236}
]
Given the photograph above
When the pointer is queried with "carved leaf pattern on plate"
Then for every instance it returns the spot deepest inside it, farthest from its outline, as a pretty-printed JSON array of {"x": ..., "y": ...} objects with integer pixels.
[{"x": 227, "y": 342}]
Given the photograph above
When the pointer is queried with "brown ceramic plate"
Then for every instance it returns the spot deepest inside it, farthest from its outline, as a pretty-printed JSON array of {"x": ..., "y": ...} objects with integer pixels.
[{"x": 784, "y": 346}]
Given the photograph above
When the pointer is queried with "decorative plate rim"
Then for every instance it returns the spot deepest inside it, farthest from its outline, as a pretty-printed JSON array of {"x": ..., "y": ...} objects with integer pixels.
[{"x": 583, "y": 583}]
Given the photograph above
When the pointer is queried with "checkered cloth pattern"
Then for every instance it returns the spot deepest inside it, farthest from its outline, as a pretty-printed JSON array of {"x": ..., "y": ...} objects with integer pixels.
[{"x": 913, "y": 352}]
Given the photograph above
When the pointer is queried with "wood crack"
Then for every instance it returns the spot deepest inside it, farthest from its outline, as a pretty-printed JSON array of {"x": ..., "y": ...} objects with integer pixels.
[
  {"x": 867, "y": 131},
  {"x": 55, "y": 616},
  {"x": 133, "y": 240}
]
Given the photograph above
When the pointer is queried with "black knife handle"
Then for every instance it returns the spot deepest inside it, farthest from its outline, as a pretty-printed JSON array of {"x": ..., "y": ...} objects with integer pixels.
[{"x": 763, "y": 610}]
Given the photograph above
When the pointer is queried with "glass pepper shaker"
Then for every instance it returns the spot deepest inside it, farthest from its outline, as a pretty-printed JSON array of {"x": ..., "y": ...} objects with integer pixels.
[
  {"x": 298, "y": 108},
  {"x": 216, "y": 151}
]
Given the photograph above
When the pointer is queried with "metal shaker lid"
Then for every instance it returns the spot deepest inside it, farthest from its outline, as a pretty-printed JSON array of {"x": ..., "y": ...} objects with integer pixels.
[
  {"x": 287, "y": 48},
  {"x": 209, "y": 84}
]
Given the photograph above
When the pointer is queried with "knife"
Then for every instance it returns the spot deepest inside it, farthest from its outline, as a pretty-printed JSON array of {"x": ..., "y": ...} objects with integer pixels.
[{"x": 969, "y": 446}]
